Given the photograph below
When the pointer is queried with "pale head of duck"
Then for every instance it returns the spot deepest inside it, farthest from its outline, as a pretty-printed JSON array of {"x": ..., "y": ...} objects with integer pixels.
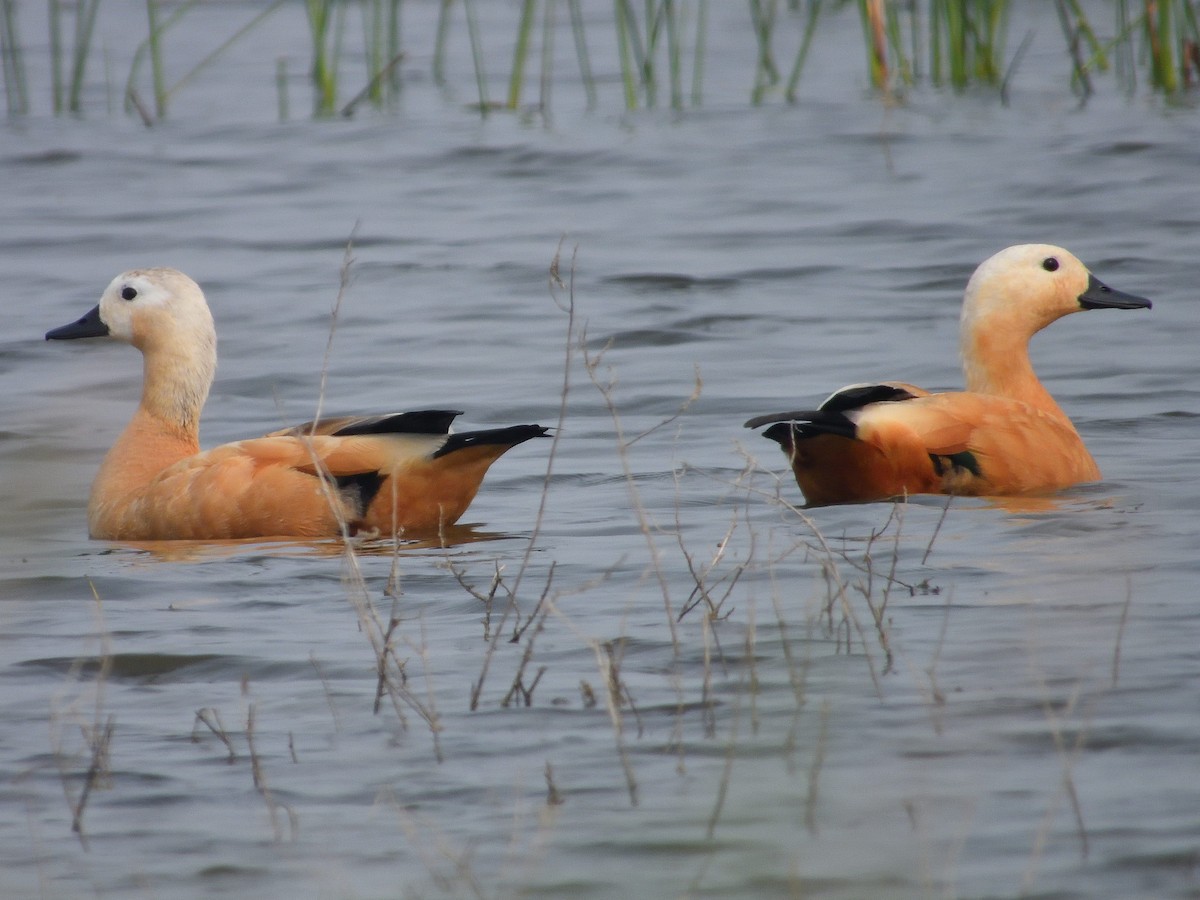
[
  {"x": 163, "y": 313},
  {"x": 1012, "y": 296},
  {"x": 156, "y": 308},
  {"x": 1022, "y": 289}
]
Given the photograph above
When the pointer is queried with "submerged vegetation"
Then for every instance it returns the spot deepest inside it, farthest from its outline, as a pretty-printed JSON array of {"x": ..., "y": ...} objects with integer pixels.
[{"x": 655, "y": 50}]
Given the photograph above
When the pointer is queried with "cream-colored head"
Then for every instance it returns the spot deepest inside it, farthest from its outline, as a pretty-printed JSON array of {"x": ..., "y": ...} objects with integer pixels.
[
  {"x": 1011, "y": 297},
  {"x": 157, "y": 309},
  {"x": 1024, "y": 288},
  {"x": 163, "y": 313}
]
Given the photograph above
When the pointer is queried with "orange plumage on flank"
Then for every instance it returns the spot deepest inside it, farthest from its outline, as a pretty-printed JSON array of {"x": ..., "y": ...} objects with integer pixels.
[
  {"x": 383, "y": 474},
  {"x": 1003, "y": 435}
]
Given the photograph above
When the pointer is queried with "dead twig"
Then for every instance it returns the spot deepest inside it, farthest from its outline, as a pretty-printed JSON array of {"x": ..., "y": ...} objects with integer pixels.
[
  {"x": 211, "y": 718},
  {"x": 97, "y": 733}
]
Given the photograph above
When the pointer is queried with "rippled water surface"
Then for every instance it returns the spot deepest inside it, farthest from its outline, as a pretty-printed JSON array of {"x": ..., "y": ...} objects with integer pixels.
[{"x": 1004, "y": 701}]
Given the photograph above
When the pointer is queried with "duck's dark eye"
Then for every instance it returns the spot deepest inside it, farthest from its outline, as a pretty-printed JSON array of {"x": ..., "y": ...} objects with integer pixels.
[
  {"x": 1050, "y": 264},
  {"x": 128, "y": 293}
]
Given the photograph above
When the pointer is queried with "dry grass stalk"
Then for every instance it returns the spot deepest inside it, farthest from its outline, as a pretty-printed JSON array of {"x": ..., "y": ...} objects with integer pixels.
[
  {"x": 937, "y": 529},
  {"x": 337, "y": 722},
  {"x": 98, "y": 741},
  {"x": 727, "y": 769},
  {"x": 1116, "y": 659},
  {"x": 556, "y": 286},
  {"x": 487, "y": 599},
  {"x": 836, "y": 590},
  {"x": 704, "y": 589},
  {"x": 878, "y": 608},
  {"x": 210, "y": 717},
  {"x": 461, "y": 880},
  {"x": 391, "y": 676},
  {"x": 451, "y": 865},
  {"x": 609, "y": 664},
  {"x": 874, "y": 585},
  {"x": 97, "y": 733},
  {"x": 1068, "y": 756},
  {"x": 554, "y": 797},
  {"x": 518, "y": 688},
  {"x": 606, "y": 385},
  {"x": 748, "y": 654},
  {"x": 814, "y": 770},
  {"x": 936, "y": 697},
  {"x": 797, "y": 670},
  {"x": 260, "y": 778}
]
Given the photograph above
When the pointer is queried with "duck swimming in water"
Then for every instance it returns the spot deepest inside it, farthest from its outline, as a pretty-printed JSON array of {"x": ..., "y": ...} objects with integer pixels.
[
  {"x": 1003, "y": 435},
  {"x": 385, "y": 474}
]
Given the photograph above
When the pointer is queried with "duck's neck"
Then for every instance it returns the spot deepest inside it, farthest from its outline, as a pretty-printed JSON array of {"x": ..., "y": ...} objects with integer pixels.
[
  {"x": 996, "y": 362},
  {"x": 166, "y": 426},
  {"x": 174, "y": 388}
]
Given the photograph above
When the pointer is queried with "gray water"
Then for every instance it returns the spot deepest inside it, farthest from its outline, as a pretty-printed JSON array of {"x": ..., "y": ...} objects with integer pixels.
[{"x": 1023, "y": 720}]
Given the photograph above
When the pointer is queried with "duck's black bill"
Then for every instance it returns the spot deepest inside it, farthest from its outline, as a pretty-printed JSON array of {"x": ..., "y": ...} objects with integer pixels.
[
  {"x": 89, "y": 326},
  {"x": 1100, "y": 296}
]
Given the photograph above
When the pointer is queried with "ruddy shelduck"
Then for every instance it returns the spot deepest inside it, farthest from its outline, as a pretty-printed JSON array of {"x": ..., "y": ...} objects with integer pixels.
[
  {"x": 383, "y": 475},
  {"x": 1003, "y": 435}
]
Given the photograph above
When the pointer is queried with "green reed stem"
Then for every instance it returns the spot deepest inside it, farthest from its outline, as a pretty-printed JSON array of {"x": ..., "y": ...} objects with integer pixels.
[
  {"x": 766, "y": 74},
  {"x": 1167, "y": 26},
  {"x": 917, "y": 40},
  {"x": 1080, "y": 76},
  {"x": 395, "y": 46},
  {"x": 810, "y": 29},
  {"x": 15, "y": 94},
  {"x": 216, "y": 54},
  {"x": 1099, "y": 57},
  {"x": 625, "y": 25},
  {"x": 521, "y": 51},
  {"x": 156, "y": 62},
  {"x": 381, "y": 52},
  {"x": 581, "y": 53},
  {"x": 1189, "y": 51},
  {"x": 319, "y": 21},
  {"x": 1123, "y": 51},
  {"x": 477, "y": 56},
  {"x": 54, "y": 14},
  {"x": 439, "y": 44},
  {"x": 132, "y": 100},
  {"x": 1011, "y": 70},
  {"x": 895, "y": 38},
  {"x": 547, "y": 75},
  {"x": 281, "y": 87},
  {"x": 966, "y": 42},
  {"x": 1162, "y": 55},
  {"x": 85, "y": 26},
  {"x": 874, "y": 21},
  {"x": 374, "y": 48},
  {"x": 653, "y": 31},
  {"x": 153, "y": 46},
  {"x": 936, "y": 47},
  {"x": 674, "y": 52},
  {"x": 699, "y": 51},
  {"x": 956, "y": 29}
]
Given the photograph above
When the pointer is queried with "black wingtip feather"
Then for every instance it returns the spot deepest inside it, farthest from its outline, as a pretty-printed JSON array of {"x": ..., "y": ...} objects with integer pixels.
[
  {"x": 787, "y": 427},
  {"x": 831, "y": 418},
  {"x": 772, "y": 418},
  {"x": 860, "y": 395},
  {"x": 421, "y": 421},
  {"x": 510, "y": 437}
]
